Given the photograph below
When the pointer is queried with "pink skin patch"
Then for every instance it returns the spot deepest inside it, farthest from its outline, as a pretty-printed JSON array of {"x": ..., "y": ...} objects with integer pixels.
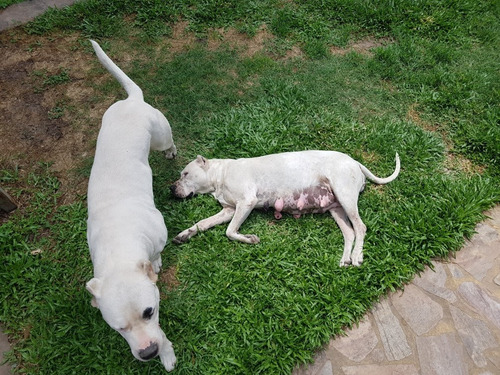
[
  {"x": 325, "y": 201},
  {"x": 316, "y": 199},
  {"x": 278, "y": 206},
  {"x": 302, "y": 201}
]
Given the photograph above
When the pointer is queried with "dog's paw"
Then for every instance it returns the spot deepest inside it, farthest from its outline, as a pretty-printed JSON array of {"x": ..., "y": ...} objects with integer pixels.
[
  {"x": 251, "y": 238},
  {"x": 358, "y": 261},
  {"x": 169, "y": 361},
  {"x": 179, "y": 239},
  {"x": 345, "y": 262},
  {"x": 171, "y": 153},
  {"x": 184, "y": 236}
]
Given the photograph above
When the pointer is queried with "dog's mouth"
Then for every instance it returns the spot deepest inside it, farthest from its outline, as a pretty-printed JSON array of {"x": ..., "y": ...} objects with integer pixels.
[{"x": 173, "y": 190}]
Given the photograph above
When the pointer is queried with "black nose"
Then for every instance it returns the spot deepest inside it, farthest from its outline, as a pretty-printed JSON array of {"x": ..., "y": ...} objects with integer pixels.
[
  {"x": 150, "y": 352},
  {"x": 172, "y": 189}
]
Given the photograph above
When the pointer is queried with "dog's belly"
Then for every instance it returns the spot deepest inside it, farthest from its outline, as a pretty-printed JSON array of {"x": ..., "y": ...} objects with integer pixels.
[{"x": 314, "y": 199}]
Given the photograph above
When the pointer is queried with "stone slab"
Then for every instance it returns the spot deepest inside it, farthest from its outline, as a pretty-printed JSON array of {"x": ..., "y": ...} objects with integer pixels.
[
  {"x": 380, "y": 370},
  {"x": 418, "y": 310},
  {"x": 433, "y": 281},
  {"x": 477, "y": 257},
  {"x": 4, "y": 347},
  {"x": 392, "y": 335},
  {"x": 481, "y": 302},
  {"x": 327, "y": 369},
  {"x": 475, "y": 335},
  {"x": 358, "y": 343},
  {"x": 441, "y": 355}
]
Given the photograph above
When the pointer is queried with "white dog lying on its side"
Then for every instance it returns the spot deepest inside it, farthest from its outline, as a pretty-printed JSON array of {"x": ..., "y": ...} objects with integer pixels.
[
  {"x": 292, "y": 182},
  {"x": 125, "y": 231}
]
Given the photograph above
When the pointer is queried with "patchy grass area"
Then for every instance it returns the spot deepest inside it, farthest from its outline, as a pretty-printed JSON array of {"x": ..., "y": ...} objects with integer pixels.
[{"x": 241, "y": 79}]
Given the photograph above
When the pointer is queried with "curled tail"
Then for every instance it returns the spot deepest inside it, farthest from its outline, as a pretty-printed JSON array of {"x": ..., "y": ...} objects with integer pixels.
[
  {"x": 369, "y": 175},
  {"x": 130, "y": 86}
]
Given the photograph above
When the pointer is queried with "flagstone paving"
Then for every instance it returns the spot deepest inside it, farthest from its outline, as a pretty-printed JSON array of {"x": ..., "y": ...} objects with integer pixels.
[{"x": 21, "y": 13}]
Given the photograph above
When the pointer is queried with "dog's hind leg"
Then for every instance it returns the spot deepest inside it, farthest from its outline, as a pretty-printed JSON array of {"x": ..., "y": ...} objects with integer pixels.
[
  {"x": 348, "y": 199},
  {"x": 222, "y": 217},
  {"x": 359, "y": 233},
  {"x": 345, "y": 226}
]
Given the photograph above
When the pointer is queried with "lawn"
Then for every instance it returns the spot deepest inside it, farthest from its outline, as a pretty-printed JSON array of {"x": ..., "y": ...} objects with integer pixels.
[{"x": 367, "y": 78}]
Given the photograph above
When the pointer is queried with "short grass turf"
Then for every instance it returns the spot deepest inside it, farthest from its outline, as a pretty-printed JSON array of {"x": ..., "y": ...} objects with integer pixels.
[{"x": 263, "y": 309}]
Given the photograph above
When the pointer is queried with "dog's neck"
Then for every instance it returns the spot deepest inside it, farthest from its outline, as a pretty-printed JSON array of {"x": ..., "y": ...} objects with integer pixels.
[
  {"x": 116, "y": 259},
  {"x": 216, "y": 174}
]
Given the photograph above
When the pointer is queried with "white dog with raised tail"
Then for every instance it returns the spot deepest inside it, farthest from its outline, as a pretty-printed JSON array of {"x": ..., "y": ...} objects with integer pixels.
[{"x": 125, "y": 231}]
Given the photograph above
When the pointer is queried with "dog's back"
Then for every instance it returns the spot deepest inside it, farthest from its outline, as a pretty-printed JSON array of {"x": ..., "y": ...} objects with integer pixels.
[{"x": 121, "y": 179}]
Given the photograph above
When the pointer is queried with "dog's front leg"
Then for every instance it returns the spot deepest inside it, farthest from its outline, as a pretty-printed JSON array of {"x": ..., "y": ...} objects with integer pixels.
[
  {"x": 167, "y": 355},
  {"x": 243, "y": 209},
  {"x": 222, "y": 217}
]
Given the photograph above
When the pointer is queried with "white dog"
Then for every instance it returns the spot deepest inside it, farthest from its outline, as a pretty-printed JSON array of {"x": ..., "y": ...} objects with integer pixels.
[
  {"x": 125, "y": 231},
  {"x": 292, "y": 182}
]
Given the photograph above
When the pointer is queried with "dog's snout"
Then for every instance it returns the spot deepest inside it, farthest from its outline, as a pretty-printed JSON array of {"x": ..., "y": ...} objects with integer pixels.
[
  {"x": 177, "y": 193},
  {"x": 150, "y": 352}
]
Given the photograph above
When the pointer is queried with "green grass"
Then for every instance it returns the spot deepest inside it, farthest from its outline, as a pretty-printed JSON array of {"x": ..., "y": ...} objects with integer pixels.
[
  {"x": 262, "y": 309},
  {"x": 5, "y": 3}
]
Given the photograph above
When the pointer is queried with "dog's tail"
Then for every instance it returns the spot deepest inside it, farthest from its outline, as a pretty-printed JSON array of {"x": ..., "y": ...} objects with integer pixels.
[
  {"x": 369, "y": 175},
  {"x": 130, "y": 86}
]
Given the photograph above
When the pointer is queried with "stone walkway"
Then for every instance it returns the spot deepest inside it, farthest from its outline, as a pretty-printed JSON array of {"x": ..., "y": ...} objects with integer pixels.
[
  {"x": 21, "y": 13},
  {"x": 446, "y": 322}
]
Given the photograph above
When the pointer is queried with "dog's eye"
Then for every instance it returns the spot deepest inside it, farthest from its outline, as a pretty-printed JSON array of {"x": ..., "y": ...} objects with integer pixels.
[
  {"x": 148, "y": 313},
  {"x": 185, "y": 174}
]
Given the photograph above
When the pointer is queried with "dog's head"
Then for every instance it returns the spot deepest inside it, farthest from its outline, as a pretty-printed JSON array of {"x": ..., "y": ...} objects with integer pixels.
[
  {"x": 129, "y": 303},
  {"x": 194, "y": 179}
]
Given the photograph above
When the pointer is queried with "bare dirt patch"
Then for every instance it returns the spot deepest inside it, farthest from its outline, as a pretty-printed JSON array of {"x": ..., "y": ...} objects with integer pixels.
[
  {"x": 183, "y": 39},
  {"x": 42, "y": 120},
  {"x": 169, "y": 278},
  {"x": 247, "y": 46},
  {"x": 363, "y": 46}
]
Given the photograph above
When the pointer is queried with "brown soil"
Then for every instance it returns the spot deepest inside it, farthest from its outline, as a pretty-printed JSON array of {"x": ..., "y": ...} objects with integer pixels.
[
  {"x": 364, "y": 46},
  {"x": 42, "y": 121}
]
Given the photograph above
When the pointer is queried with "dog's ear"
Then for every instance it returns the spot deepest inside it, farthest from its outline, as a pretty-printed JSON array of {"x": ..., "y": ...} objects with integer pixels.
[
  {"x": 146, "y": 267},
  {"x": 202, "y": 161},
  {"x": 94, "y": 287}
]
